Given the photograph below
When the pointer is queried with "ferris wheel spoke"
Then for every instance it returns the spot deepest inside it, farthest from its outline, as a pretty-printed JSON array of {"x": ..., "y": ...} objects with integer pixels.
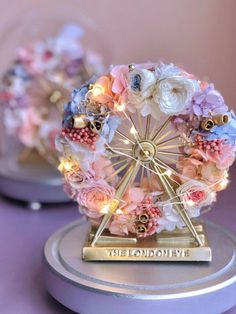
[
  {"x": 142, "y": 174},
  {"x": 168, "y": 140},
  {"x": 165, "y": 166},
  {"x": 171, "y": 153},
  {"x": 171, "y": 146},
  {"x": 148, "y": 123},
  {"x": 116, "y": 163},
  {"x": 140, "y": 124},
  {"x": 121, "y": 148},
  {"x": 166, "y": 134},
  {"x": 117, "y": 171},
  {"x": 164, "y": 125},
  {"x": 125, "y": 137}
]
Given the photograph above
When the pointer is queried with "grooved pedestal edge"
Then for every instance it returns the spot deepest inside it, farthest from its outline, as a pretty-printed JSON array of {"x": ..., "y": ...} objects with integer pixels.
[
  {"x": 31, "y": 183},
  {"x": 133, "y": 287}
]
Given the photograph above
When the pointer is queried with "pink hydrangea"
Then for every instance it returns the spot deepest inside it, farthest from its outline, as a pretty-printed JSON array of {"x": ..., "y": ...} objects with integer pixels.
[
  {"x": 213, "y": 175},
  {"x": 120, "y": 82}
]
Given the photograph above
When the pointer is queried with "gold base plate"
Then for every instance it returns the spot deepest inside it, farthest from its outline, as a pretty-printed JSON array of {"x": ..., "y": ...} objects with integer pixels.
[{"x": 177, "y": 245}]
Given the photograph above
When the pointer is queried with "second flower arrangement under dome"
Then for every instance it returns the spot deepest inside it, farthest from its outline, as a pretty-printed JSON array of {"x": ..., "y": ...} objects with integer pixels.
[
  {"x": 147, "y": 146},
  {"x": 38, "y": 83}
]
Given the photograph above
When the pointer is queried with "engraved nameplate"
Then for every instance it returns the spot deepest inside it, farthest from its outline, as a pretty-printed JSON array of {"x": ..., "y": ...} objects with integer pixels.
[{"x": 166, "y": 247}]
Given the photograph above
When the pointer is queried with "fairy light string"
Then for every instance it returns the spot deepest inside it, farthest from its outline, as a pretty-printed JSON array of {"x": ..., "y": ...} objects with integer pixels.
[{"x": 151, "y": 145}]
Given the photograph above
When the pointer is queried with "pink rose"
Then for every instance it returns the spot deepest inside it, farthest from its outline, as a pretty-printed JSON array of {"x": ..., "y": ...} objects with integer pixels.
[{"x": 94, "y": 196}]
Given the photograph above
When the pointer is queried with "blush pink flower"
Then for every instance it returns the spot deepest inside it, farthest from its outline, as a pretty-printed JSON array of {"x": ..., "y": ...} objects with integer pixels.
[
  {"x": 152, "y": 185},
  {"x": 94, "y": 196},
  {"x": 217, "y": 151},
  {"x": 131, "y": 218},
  {"x": 102, "y": 90},
  {"x": 213, "y": 175},
  {"x": 102, "y": 169},
  {"x": 77, "y": 177},
  {"x": 122, "y": 224},
  {"x": 134, "y": 195},
  {"x": 120, "y": 82},
  {"x": 189, "y": 168},
  {"x": 69, "y": 190},
  {"x": 223, "y": 158}
]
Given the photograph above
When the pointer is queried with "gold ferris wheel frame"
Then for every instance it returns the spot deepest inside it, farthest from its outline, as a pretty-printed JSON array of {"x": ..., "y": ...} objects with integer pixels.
[{"x": 150, "y": 149}]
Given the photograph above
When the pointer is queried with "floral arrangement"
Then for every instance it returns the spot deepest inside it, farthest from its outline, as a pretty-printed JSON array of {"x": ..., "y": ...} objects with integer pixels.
[
  {"x": 142, "y": 140},
  {"x": 38, "y": 83}
]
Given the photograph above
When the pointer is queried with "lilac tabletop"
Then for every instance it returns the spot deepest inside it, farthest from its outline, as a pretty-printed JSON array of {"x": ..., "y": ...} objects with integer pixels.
[{"x": 22, "y": 237}]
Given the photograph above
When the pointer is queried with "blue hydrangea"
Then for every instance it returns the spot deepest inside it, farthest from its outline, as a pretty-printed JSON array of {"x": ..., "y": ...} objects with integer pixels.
[
  {"x": 226, "y": 131},
  {"x": 78, "y": 97},
  {"x": 111, "y": 123}
]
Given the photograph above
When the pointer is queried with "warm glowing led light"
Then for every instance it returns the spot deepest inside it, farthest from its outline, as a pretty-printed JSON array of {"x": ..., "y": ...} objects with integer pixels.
[
  {"x": 68, "y": 165},
  {"x": 65, "y": 165},
  {"x": 97, "y": 90},
  {"x": 190, "y": 203},
  {"x": 120, "y": 107},
  {"x": 126, "y": 142},
  {"x": 133, "y": 130},
  {"x": 168, "y": 173},
  {"x": 105, "y": 209},
  {"x": 61, "y": 167},
  {"x": 223, "y": 183},
  {"x": 109, "y": 207}
]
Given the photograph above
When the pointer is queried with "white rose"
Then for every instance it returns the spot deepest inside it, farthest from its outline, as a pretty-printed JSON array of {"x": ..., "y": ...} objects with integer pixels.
[{"x": 173, "y": 94}]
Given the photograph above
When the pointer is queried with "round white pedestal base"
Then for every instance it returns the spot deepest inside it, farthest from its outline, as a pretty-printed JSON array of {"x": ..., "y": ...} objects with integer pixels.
[
  {"x": 140, "y": 287},
  {"x": 34, "y": 183}
]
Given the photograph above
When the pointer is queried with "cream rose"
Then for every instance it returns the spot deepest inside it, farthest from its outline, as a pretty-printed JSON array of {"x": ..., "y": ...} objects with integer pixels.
[{"x": 173, "y": 94}]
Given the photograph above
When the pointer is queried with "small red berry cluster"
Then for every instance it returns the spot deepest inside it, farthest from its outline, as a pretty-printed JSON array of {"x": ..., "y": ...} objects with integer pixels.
[
  {"x": 210, "y": 146},
  {"x": 152, "y": 212},
  {"x": 81, "y": 135}
]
